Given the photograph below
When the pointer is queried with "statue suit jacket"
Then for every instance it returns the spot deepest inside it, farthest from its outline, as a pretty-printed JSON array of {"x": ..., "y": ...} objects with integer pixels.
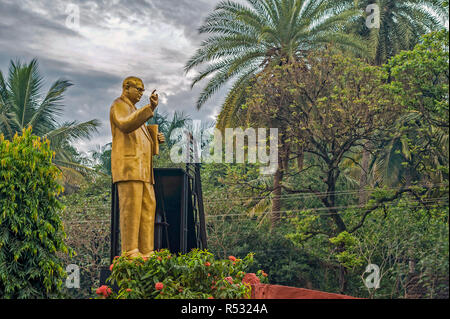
[{"x": 133, "y": 143}]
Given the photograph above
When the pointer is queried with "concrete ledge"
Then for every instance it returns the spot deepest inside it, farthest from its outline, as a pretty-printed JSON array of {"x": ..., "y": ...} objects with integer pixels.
[{"x": 265, "y": 291}]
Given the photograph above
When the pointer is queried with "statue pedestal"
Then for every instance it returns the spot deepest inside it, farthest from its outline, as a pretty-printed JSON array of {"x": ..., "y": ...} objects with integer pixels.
[
  {"x": 104, "y": 274},
  {"x": 179, "y": 218}
]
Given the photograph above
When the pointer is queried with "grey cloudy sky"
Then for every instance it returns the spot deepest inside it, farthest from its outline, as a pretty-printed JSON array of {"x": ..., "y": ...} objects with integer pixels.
[{"x": 151, "y": 39}]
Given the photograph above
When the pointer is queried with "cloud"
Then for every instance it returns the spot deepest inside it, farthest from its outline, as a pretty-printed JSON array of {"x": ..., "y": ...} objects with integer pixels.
[{"x": 151, "y": 39}]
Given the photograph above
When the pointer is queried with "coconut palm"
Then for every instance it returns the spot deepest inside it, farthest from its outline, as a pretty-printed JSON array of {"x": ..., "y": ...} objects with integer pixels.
[
  {"x": 23, "y": 104},
  {"x": 246, "y": 38},
  {"x": 167, "y": 126},
  {"x": 101, "y": 157}
]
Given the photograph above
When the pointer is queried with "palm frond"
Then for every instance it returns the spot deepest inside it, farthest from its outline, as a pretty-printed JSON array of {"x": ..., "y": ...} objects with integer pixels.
[
  {"x": 44, "y": 117},
  {"x": 244, "y": 36},
  {"x": 70, "y": 131},
  {"x": 75, "y": 168},
  {"x": 24, "y": 85}
]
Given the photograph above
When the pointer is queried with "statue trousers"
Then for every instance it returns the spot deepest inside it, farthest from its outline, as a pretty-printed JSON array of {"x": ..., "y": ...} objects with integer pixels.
[{"x": 137, "y": 207}]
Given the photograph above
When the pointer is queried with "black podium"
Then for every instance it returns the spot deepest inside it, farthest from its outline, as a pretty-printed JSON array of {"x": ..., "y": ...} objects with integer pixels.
[{"x": 179, "y": 218}]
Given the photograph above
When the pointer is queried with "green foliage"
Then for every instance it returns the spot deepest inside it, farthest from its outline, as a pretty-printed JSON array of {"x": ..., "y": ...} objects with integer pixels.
[
  {"x": 427, "y": 93},
  {"x": 31, "y": 230},
  {"x": 346, "y": 256},
  {"x": 419, "y": 148},
  {"x": 247, "y": 37},
  {"x": 190, "y": 276},
  {"x": 325, "y": 109},
  {"x": 406, "y": 240}
]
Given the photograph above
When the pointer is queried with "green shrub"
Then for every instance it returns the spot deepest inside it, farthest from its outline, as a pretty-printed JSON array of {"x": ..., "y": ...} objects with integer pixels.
[
  {"x": 196, "y": 275},
  {"x": 31, "y": 231}
]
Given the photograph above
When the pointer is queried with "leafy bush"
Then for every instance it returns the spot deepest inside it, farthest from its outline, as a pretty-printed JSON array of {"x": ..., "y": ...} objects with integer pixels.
[
  {"x": 195, "y": 275},
  {"x": 31, "y": 231}
]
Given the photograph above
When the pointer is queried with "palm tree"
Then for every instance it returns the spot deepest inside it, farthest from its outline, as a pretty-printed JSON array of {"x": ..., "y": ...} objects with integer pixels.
[
  {"x": 23, "y": 104},
  {"x": 402, "y": 23},
  {"x": 167, "y": 126},
  {"x": 247, "y": 38},
  {"x": 102, "y": 158}
]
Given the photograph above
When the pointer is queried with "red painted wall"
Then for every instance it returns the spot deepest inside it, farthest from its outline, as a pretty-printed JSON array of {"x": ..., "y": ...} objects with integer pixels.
[{"x": 264, "y": 291}]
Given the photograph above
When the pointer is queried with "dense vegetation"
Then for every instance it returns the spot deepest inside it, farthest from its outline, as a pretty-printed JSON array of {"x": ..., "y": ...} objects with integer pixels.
[
  {"x": 31, "y": 229},
  {"x": 363, "y": 155}
]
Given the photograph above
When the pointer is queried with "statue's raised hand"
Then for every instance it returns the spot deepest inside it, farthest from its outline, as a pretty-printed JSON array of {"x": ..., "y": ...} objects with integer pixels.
[{"x": 154, "y": 100}]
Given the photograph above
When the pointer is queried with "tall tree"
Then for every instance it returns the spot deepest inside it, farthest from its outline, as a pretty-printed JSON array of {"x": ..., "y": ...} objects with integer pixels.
[
  {"x": 246, "y": 38},
  {"x": 334, "y": 103}
]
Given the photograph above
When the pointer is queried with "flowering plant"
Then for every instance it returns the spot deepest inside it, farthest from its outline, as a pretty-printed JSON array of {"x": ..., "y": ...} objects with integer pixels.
[{"x": 186, "y": 276}]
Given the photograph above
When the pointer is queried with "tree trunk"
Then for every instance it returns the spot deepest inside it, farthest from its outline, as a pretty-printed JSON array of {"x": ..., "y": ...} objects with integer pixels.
[
  {"x": 300, "y": 159},
  {"x": 331, "y": 203},
  {"x": 342, "y": 279},
  {"x": 363, "y": 193},
  {"x": 283, "y": 161},
  {"x": 276, "y": 201}
]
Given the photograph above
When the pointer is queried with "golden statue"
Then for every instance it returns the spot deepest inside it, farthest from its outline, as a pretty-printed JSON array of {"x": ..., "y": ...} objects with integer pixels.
[{"x": 133, "y": 146}]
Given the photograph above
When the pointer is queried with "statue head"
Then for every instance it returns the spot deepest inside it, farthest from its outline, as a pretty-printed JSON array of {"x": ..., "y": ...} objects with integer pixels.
[{"x": 133, "y": 88}]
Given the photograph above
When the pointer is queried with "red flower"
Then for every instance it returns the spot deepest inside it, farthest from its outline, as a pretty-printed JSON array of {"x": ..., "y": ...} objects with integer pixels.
[
  {"x": 170, "y": 256},
  {"x": 207, "y": 264},
  {"x": 145, "y": 258},
  {"x": 263, "y": 273},
  {"x": 159, "y": 258},
  {"x": 129, "y": 290},
  {"x": 210, "y": 297},
  {"x": 180, "y": 290},
  {"x": 159, "y": 286},
  {"x": 251, "y": 279},
  {"x": 232, "y": 258},
  {"x": 111, "y": 267},
  {"x": 104, "y": 291},
  {"x": 229, "y": 279}
]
